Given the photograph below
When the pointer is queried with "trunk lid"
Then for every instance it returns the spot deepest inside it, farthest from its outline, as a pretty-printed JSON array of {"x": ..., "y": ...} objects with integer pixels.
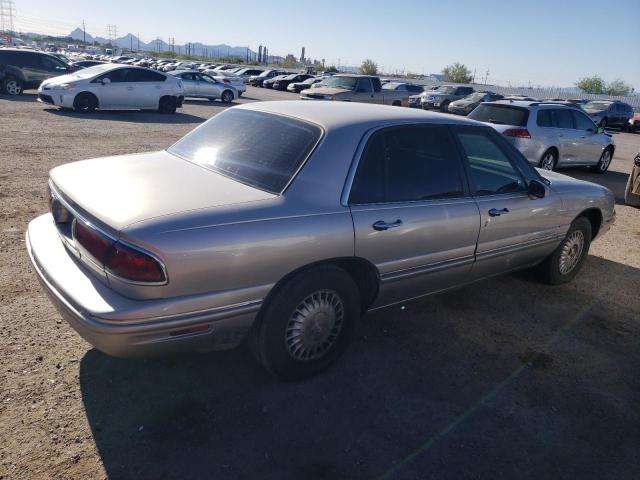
[{"x": 126, "y": 189}]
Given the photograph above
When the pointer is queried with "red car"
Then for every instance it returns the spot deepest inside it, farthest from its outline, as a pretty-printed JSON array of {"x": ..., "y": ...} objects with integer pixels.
[{"x": 634, "y": 123}]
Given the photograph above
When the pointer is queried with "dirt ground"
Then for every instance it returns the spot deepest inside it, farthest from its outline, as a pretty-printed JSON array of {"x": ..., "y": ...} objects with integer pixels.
[{"x": 506, "y": 378}]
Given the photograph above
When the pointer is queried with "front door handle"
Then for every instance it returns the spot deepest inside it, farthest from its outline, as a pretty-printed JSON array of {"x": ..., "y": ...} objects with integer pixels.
[
  {"x": 494, "y": 212},
  {"x": 381, "y": 225}
]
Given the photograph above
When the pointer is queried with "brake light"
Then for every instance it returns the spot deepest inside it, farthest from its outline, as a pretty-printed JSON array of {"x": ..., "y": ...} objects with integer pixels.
[
  {"x": 95, "y": 244},
  {"x": 517, "y": 132},
  {"x": 134, "y": 265},
  {"x": 118, "y": 259},
  {"x": 226, "y": 81}
]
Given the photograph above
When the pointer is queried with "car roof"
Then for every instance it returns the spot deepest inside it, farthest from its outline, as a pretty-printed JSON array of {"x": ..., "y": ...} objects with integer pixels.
[{"x": 335, "y": 115}]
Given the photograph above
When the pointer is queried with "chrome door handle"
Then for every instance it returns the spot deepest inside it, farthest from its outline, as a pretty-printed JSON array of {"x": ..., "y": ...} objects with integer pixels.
[
  {"x": 381, "y": 225},
  {"x": 494, "y": 212}
]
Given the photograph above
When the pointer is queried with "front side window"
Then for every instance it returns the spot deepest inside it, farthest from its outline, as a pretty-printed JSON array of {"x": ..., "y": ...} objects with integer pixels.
[
  {"x": 407, "y": 164},
  {"x": 51, "y": 64},
  {"x": 116, "y": 76},
  {"x": 582, "y": 122},
  {"x": 562, "y": 118},
  {"x": 491, "y": 170},
  {"x": 259, "y": 149},
  {"x": 140, "y": 75}
]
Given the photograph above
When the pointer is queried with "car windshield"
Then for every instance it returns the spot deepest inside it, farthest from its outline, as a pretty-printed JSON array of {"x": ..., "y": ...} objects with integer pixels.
[
  {"x": 475, "y": 96},
  {"x": 390, "y": 86},
  {"x": 446, "y": 89},
  {"x": 596, "y": 105},
  {"x": 500, "y": 114},
  {"x": 255, "y": 148},
  {"x": 92, "y": 71},
  {"x": 348, "y": 83}
]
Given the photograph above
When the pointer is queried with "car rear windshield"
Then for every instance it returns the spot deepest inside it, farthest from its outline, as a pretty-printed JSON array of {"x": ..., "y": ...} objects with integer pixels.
[
  {"x": 501, "y": 114},
  {"x": 259, "y": 149}
]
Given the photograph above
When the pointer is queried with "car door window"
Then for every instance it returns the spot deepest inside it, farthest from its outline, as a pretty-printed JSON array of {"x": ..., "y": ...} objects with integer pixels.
[
  {"x": 582, "y": 122},
  {"x": 116, "y": 76},
  {"x": 561, "y": 118},
  {"x": 140, "y": 75},
  {"x": 407, "y": 164},
  {"x": 491, "y": 170},
  {"x": 206, "y": 79},
  {"x": 51, "y": 64},
  {"x": 543, "y": 119},
  {"x": 364, "y": 85}
]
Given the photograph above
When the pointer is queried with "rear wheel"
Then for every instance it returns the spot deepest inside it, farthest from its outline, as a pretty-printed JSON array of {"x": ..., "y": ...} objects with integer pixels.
[
  {"x": 604, "y": 162},
  {"x": 227, "y": 96},
  {"x": 549, "y": 160},
  {"x": 444, "y": 107},
  {"x": 307, "y": 324},
  {"x": 12, "y": 86},
  {"x": 167, "y": 105},
  {"x": 85, "y": 102},
  {"x": 566, "y": 260}
]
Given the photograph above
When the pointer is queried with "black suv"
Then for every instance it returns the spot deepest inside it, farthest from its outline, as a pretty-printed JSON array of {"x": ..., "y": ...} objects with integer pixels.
[{"x": 25, "y": 69}]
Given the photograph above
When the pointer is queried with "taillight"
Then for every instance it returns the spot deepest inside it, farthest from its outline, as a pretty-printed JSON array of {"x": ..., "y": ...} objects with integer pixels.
[
  {"x": 226, "y": 81},
  {"x": 134, "y": 265},
  {"x": 95, "y": 244},
  {"x": 517, "y": 132},
  {"x": 123, "y": 261}
]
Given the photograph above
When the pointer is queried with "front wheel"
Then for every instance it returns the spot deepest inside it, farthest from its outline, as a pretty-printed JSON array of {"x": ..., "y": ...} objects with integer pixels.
[
  {"x": 604, "y": 162},
  {"x": 307, "y": 324},
  {"x": 12, "y": 86},
  {"x": 566, "y": 260},
  {"x": 85, "y": 103}
]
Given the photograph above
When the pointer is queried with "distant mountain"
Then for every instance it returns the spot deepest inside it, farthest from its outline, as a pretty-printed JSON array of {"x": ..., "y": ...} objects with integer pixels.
[{"x": 130, "y": 41}]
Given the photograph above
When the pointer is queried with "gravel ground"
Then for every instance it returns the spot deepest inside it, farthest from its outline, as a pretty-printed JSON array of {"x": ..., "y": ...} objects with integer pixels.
[{"x": 506, "y": 378}]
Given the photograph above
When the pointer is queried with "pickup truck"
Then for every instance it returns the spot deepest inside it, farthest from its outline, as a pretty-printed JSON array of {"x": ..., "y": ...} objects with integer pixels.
[
  {"x": 440, "y": 98},
  {"x": 356, "y": 88}
]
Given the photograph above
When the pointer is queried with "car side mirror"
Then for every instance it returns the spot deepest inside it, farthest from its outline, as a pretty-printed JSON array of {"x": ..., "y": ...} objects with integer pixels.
[
  {"x": 537, "y": 189},
  {"x": 600, "y": 129},
  {"x": 105, "y": 81}
]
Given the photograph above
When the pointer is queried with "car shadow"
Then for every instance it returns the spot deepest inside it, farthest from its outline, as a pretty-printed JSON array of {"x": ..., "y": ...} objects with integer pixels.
[
  {"x": 131, "y": 116},
  {"x": 460, "y": 382},
  {"x": 24, "y": 97},
  {"x": 614, "y": 181},
  {"x": 204, "y": 101}
]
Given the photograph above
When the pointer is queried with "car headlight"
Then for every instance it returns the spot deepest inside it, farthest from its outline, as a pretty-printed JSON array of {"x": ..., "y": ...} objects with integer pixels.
[
  {"x": 67, "y": 86},
  {"x": 431, "y": 97}
]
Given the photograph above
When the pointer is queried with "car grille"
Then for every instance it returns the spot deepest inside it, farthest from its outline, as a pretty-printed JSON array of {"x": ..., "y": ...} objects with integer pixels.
[
  {"x": 315, "y": 95},
  {"x": 45, "y": 98}
]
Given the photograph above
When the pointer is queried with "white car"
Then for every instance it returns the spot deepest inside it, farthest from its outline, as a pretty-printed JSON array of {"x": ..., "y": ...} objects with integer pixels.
[
  {"x": 200, "y": 85},
  {"x": 113, "y": 86},
  {"x": 229, "y": 79}
]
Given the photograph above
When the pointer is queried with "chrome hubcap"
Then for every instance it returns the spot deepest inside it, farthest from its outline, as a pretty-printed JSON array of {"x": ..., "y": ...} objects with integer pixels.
[
  {"x": 315, "y": 325},
  {"x": 13, "y": 88},
  {"x": 605, "y": 160},
  {"x": 548, "y": 161},
  {"x": 571, "y": 252}
]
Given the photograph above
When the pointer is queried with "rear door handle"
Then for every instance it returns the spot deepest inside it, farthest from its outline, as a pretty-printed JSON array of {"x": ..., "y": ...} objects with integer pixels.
[
  {"x": 381, "y": 225},
  {"x": 494, "y": 212}
]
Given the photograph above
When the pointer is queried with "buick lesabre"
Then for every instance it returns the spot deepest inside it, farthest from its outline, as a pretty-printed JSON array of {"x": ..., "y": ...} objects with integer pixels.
[{"x": 284, "y": 222}]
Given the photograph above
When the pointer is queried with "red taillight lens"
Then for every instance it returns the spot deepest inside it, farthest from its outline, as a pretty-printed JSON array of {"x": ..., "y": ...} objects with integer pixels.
[
  {"x": 517, "y": 132},
  {"x": 95, "y": 244},
  {"x": 131, "y": 264},
  {"x": 226, "y": 81}
]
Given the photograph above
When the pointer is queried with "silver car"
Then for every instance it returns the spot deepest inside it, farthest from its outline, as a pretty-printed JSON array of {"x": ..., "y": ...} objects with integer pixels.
[
  {"x": 199, "y": 85},
  {"x": 549, "y": 135},
  {"x": 284, "y": 222}
]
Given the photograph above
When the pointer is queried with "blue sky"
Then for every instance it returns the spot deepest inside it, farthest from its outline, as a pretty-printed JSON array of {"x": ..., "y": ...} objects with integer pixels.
[{"x": 542, "y": 42}]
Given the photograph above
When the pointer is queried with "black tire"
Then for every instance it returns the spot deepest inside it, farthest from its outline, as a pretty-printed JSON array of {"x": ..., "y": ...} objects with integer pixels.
[
  {"x": 12, "y": 86},
  {"x": 444, "y": 107},
  {"x": 551, "y": 269},
  {"x": 167, "y": 105},
  {"x": 227, "y": 96},
  {"x": 282, "y": 355},
  {"x": 604, "y": 162},
  {"x": 239, "y": 94},
  {"x": 85, "y": 102},
  {"x": 212, "y": 99},
  {"x": 549, "y": 160},
  {"x": 396, "y": 103}
]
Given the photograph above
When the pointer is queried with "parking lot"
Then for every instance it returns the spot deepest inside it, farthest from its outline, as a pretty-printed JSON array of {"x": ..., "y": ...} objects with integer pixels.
[{"x": 507, "y": 378}]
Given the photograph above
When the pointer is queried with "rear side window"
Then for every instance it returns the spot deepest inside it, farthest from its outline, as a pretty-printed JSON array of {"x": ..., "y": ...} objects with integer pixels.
[
  {"x": 255, "y": 148},
  {"x": 501, "y": 114},
  {"x": 404, "y": 164},
  {"x": 491, "y": 170}
]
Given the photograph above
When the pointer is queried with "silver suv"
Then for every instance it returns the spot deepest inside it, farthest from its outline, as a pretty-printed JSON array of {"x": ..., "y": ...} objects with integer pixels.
[{"x": 549, "y": 135}]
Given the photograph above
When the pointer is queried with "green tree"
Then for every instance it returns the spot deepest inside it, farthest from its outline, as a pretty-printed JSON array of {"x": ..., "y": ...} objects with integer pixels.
[
  {"x": 594, "y": 84},
  {"x": 618, "y": 88},
  {"x": 457, "y": 73},
  {"x": 369, "y": 67},
  {"x": 331, "y": 69}
]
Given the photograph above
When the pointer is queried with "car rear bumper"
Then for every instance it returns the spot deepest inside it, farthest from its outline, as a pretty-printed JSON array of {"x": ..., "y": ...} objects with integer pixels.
[{"x": 60, "y": 274}]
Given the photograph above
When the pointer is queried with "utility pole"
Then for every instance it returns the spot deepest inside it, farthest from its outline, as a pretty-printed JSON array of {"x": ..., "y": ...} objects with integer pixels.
[
  {"x": 138, "y": 37},
  {"x": 112, "y": 34},
  {"x": 7, "y": 10},
  {"x": 486, "y": 76},
  {"x": 84, "y": 33}
]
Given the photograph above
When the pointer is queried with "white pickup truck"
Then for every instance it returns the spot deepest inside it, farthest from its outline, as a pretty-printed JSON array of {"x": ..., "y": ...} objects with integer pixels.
[{"x": 356, "y": 88}]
